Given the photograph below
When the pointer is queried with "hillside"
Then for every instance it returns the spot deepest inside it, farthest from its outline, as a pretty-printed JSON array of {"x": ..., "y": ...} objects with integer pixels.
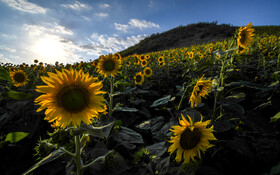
[{"x": 185, "y": 36}]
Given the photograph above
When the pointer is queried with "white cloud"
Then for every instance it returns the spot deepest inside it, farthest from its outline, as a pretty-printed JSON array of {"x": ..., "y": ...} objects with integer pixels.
[
  {"x": 2, "y": 47},
  {"x": 135, "y": 23},
  {"x": 142, "y": 24},
  {"x": 104, "y": 6},
  {"x": 121, "y": 27},
  {"x": 86, "y": 18},
  {"x": 103, "y": 44},
  {"x": 4, "y": 59},
  {"x": 24, "y": 5},
  {"x": 51, "y": 28},
  {"x": 77, "y": 6},
  {"x": 102, "y": 14}
]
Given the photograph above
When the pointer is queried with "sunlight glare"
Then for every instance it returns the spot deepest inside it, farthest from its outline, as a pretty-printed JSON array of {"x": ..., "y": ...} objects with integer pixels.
[{"x": 49, "y": 48}]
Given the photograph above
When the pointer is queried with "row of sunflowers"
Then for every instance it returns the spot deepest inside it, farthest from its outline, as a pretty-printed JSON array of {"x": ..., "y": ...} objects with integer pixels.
[{"x": 89, "y": 97}]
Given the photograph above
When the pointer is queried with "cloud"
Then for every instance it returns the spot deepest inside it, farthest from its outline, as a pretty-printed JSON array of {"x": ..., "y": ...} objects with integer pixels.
[
  {"x": 104, "y": 44},
  {"x": 102, "y": 14},
  {"x": 135, "y": 23},
  {"x": 104, "y": 6},
  {"x": 121, "y": 27},
  {"x": 142, "y": 24},
  {"x": 151, "y": 3},
  {"x": 4, "y": 59},
  {"x": 51, "y": 28},
  {"x": 25, "y": 6},
  {"x": 77, "y": 6},
  {"x": 2, "y": 47},
  {"x": 86, "y": 18}
]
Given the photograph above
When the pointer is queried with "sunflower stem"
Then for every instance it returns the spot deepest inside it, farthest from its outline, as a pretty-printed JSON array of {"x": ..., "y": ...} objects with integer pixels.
[
  {"x": 181, "y": 101},
  {"x": 111, "y": 96},
  {"x": 66, "y": 151},
  {"x": 77, "y": 158}
]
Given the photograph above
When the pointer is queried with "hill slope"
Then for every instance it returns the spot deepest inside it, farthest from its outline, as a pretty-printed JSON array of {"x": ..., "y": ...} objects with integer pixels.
[{"x": 185, "y": 36}]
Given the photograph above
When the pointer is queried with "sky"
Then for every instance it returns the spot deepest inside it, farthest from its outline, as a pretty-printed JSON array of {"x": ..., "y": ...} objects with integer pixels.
[{"x": 70, "y": 31}]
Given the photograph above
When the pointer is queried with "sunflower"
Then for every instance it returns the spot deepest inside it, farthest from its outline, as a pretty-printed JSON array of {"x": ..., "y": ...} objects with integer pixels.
[
  {"x": 271, "y": 54},
  {"x": 148, "y": 72},
  {"x": 11, "y": 69},
  {"x": 119, "y": 57},
  {"x": 139, "y": 78},
  {"x": 161, "y": 63},
  {"x": 191, "y": 55},
  {"x": 142, "y": 57},
  {"x": 19, "y": 77},
  {"x": 190, "y": 139},
  {"x": 201, "y": 89},
  {"x": 71, "y": 97},
  {"x": 144, "y": 63},
  {"x": 160, "y": 59},
  {"x": 108, "y": 65},
  {"x": 35, "y": 61},
  {"x": 245, "y": 36}
]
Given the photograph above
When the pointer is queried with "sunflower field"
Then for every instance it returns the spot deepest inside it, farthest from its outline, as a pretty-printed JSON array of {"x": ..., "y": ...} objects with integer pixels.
[{"x": 212, "y": 108}]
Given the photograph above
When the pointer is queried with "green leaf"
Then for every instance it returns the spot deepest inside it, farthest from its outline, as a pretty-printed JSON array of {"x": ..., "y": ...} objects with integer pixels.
[
  {"x": 128, "y": 137},
  {"x": 106, "y": 158},
  {"x": 51, "y": 157},
  {"x": 125, "y": 109},
  {"x": 276, "y": 75},
  {"x": 161, "y": 101},
  {"x": 219, "y": 89},
  {"x": 157, "y": 149},
  {"x": 122, "y": 83},
  {"x": 19, "y": 95},
  {"x": 236, "y": 97},
  {"x": 14, "y": 137},
  {"x": 102, "y": 131},
  {"x": 275, "y": 170},
  {"x": 275, "y": 118},
  {"x": 163, "y": 165},
  {"x": 4, "y": 75},
  {"x": 234, "y": 107}
]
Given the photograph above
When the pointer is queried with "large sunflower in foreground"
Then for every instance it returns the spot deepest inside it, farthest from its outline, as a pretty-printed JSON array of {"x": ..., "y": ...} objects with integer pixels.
[
  {"x": 109, "y": 65},
  {"x": 71, "y": 97},
  {"x": 245, "y": 36},
  {"x": 201, "y": 89},
  {"x": 190, "y": 139},
  {"x": 19, "y": 78}
]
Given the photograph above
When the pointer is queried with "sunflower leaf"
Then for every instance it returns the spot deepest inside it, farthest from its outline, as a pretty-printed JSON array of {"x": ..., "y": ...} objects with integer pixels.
[
  {"x": 51, "y": 157},
  {"x": 163, "y": 165},
  {"x": 275, "y": 118},
  {"x": 162, "y": 101},
  {"x": 19, "y": 95},
  {"x": 101, "y": 131},
  {"x": 125, "y": 109},
  {"x": 101, "y": 157},
  {"x": 128, "y": 137},
  {"x": 236, "y": 97},
  {"x": 157, "y": 149},
  {"x": 14, "y": 137},
  {"x": 4, "y": 75}
]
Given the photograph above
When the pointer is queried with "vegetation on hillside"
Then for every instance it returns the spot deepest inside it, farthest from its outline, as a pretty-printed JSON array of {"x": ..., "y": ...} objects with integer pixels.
[{"x": 185, "y": 36}]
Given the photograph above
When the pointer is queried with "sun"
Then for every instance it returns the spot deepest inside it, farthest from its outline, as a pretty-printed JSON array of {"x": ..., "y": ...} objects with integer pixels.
[{"x": 49, "y": 48}]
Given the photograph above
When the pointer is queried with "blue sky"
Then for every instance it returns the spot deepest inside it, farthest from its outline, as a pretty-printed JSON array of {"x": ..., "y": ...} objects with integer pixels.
[{"x": 71, "y": 31}]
